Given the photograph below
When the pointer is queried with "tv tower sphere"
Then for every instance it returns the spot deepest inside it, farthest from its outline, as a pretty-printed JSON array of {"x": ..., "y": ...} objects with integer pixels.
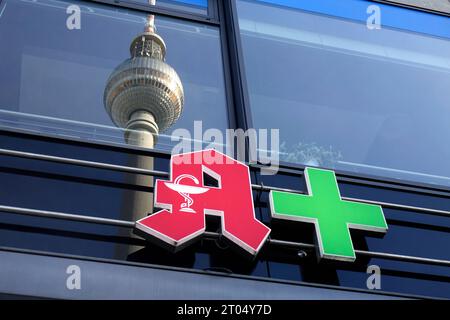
[{"x": 144, "y": 92}]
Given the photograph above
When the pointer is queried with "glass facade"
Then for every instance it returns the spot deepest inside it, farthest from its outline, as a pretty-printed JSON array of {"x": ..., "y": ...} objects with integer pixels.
[
  {"x": 53, "y": 78},
  {"x": 370, "y": 101}
]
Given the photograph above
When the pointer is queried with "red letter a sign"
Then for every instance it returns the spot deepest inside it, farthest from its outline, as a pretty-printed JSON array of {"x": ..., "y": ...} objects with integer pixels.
[{"x": 186, "y": 200}]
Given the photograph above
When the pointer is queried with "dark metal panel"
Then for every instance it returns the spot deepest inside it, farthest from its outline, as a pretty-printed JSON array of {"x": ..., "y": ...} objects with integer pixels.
[{"x": 44, "y": 276}]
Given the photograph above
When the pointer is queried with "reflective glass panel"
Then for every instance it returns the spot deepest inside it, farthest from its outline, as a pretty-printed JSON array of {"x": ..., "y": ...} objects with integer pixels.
[
  {"x": 54, "y": 68},
  {"x": 347, "y": 95}
]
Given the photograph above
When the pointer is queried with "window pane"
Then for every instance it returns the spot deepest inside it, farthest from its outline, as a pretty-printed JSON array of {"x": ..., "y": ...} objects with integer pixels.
[
  {"x": 192, "y": 6},
  {"x": 53, "y": 78},
  {"x": 347, "y": 97}
]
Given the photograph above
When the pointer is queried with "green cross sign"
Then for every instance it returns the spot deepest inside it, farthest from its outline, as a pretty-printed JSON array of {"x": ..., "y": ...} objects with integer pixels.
[{"x": 331, "y": 215}]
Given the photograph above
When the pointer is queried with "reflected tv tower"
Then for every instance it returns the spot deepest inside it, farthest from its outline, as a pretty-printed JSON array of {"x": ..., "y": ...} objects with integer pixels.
[{"x": 143, "y": 95}]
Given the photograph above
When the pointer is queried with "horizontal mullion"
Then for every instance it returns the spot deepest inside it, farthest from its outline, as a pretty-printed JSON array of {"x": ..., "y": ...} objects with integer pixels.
[
  {"x": 83, "y": 163},
  {"x": 66, "y": 216}
]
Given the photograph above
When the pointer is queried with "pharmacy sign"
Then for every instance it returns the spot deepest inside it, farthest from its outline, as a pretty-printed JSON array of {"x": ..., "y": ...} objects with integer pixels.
[
  {"x": 186, "y": 199},
  {"x": 332, "y": 216}
]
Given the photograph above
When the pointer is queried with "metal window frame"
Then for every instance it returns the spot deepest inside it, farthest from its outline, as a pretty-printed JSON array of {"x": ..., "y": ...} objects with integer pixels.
[{"x": 229, "y": 18}]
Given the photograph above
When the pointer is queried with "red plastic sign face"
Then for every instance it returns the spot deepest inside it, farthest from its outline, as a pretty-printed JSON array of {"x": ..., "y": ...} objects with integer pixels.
[{"x": 186, "y": 200}]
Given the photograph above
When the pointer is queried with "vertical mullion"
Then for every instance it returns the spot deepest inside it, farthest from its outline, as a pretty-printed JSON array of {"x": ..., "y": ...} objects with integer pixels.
[
  {"x": 232, "y": 51},
  {"x": 229, "y": 22}
]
